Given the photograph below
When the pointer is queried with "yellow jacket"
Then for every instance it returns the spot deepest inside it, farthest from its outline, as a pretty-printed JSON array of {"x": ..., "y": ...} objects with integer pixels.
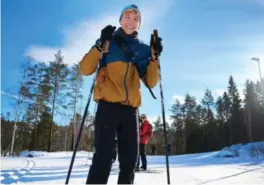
[{"x": 118, "y": 80}]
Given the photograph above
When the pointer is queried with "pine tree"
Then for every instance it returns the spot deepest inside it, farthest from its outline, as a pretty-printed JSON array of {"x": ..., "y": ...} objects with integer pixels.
[
  {"x": 210, "y": 129},
  {"x": 237, "y": 128},
  {"x": 35, "y": 82},
  {"x": 75, "y": 85},
  {"x": 207, "y": 102},
  {"x": 158, "y": 124},
  {"x": 220, "y": 118},
  {"x": 44, "y": 129},
  {"x": 178, "y": 125},
  {"x": 57, "y": 74},
  {"x": 220, "y": 110},
  {"x": 177, "y": 116},
  {"x": 158, "y": 134},
  {"x": 190, "y": 124},
  {"x": 190, "y": 111},
  {"x": 201, "y": 115},
  {"x": 255, "y": 117},
  {"x": 208, "y": 99},
  {"x": 260, "y": 93}
]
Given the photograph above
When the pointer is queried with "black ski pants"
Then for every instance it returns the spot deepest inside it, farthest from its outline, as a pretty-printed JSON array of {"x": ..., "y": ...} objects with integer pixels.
[{"x": 112, "y": 119}]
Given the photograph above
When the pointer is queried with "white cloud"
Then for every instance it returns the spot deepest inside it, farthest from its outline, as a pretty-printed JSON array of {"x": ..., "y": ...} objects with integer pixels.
[
  {"x": 178, "y": 97},
  {"x": 218, "y": 92},
  {"x": 153, "y": 118},
  {"x": 79, "y": 37},
  {"x": 241, "y": 92},
  {"x": 77, "y": 41}
]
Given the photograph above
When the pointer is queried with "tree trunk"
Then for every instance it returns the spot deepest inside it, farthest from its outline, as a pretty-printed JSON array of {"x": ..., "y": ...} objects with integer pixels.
[
  {"x": 53, "y": 107},
  {"x": 249, "y": 124},
  {"x": 74, "y": 132},
  {"x": 15, "y": 125},
  {"x": 35, "y": 126}
]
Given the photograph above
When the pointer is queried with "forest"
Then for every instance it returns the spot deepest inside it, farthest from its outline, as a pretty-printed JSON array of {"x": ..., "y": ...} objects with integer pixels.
[{"x": 197, "y": 126}]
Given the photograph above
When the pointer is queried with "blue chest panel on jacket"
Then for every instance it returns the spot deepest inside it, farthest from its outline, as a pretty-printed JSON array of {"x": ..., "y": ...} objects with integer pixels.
[{"x": 141, "y": 54}]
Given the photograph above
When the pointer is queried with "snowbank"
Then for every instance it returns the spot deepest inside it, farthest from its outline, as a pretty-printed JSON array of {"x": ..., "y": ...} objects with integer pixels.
[
  {"x": 228, "y": 152},
  {"x": 27, "y": 153},
  {"x": 255, "y": 150}
]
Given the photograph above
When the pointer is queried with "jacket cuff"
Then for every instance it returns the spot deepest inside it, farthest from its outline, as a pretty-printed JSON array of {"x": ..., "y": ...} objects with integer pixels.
[{"x": 99, "y": 45}]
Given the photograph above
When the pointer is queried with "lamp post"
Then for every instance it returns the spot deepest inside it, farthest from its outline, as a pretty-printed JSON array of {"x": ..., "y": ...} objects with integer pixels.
[
  {"x": 257, "y": 60},
  {"x": 260, "y": 77},
  {"x": 247, "y": 106}
]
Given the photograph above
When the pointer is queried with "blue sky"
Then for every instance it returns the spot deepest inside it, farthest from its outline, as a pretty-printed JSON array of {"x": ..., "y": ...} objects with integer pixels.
[{"x": 204, "y": 41}]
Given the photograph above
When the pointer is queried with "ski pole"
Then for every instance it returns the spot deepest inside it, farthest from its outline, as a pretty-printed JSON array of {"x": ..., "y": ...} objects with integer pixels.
[
  {"x": 82, "y": 124},
  {"x": 155, "y": 34}
]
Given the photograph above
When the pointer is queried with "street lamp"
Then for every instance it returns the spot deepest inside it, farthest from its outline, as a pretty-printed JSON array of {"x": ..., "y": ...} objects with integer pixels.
[
  {"x": 257, "y": 60},
  {"x": 260, "y": 82},
  {"x": 247, "y": 106}
]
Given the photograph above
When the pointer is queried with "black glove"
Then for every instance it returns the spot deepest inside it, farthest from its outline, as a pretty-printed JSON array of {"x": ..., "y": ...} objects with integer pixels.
[
  {"x": 156, "y": 44},
  {"x": 106, "y": 34}
]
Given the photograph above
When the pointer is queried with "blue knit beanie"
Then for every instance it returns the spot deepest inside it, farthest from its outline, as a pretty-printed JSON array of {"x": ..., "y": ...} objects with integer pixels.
[{"x": 131, "y": 7}]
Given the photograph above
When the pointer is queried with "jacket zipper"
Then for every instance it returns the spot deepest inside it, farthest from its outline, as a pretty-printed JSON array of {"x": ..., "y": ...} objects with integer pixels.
[{"x": 125, "y": 82}]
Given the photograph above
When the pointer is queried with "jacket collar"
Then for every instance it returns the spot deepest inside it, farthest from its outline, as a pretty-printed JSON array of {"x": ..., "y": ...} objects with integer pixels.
[{"x": 121, "y": 32}]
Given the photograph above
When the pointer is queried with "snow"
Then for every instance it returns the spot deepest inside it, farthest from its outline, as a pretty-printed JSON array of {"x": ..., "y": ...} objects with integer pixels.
[
  {"x": 245, "y": 151},
  {"x": 26, "y": 153},
  {"x": 203, "y": 168}
]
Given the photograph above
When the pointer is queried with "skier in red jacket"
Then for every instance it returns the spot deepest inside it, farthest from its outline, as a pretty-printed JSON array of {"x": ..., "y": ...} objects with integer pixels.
[{"x": 145, "y": 133}]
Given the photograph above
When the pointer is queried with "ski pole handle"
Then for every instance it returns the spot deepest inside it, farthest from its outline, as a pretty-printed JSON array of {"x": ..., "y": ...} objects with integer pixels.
[
  {"x": 155, "y": 37},
  {"x": 155, "y": 32}
]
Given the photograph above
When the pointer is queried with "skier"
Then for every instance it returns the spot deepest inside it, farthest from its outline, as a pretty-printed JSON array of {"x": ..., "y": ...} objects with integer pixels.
[
  {"x": 145, "y": 135},
  {"x": 117, "y": 91}
]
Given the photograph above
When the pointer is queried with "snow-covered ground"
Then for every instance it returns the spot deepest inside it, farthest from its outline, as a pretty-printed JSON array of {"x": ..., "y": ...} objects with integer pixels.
[{"x": 204, "y": 168}]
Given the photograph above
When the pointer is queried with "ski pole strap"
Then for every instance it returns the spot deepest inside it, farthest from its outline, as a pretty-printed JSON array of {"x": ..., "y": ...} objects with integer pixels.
[
  {"x": 150, "y": 90},
  {"x": 122, "y": 43}
]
